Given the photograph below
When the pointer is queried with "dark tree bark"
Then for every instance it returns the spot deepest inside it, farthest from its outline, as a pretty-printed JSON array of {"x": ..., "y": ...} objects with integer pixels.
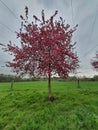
[
  {"x": 50, "y": 97},
  {"x": 49, "y": 86}
]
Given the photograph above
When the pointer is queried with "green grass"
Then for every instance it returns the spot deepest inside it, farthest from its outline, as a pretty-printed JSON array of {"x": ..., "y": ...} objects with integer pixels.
[{"x": 26, "y": 108}]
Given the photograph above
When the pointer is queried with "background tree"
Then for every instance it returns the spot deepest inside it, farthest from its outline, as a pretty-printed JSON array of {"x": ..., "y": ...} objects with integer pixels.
[
  {"x": 95, "y": 62},
  {"x": 46, "y": 48}
]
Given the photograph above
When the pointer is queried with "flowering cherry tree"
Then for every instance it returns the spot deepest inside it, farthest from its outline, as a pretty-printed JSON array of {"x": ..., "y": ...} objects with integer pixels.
[
  {"x": 95, "y": 62},
  {"x": 46, "y": 48}
]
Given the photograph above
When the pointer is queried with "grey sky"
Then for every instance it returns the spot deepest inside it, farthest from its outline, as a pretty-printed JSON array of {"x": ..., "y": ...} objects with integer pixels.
[{"x": 81, "y": 12}]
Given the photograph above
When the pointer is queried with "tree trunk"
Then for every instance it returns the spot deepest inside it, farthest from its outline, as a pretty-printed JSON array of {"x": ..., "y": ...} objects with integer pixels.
[
  {"x": 50, "y": 97},
  {"x": 49, "y": 86}
]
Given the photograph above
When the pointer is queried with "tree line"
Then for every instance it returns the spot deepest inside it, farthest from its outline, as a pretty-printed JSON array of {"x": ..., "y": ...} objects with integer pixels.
[{"x": 9, "y": 78}]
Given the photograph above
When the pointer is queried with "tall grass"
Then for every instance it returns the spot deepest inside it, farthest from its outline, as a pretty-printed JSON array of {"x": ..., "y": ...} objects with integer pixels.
[{"x": 26, "y": 108}]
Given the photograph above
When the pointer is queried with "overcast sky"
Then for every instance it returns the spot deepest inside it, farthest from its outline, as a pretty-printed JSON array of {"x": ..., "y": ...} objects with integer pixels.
[{"x": 81, "y": 12}]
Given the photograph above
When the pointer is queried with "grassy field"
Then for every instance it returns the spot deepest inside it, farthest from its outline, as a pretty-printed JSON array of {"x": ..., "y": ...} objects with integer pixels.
[{"x": 26, "y": 108}]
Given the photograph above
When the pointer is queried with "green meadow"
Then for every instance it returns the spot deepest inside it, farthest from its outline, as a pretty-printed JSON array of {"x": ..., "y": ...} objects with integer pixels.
[{"x": 26, "y": 107}]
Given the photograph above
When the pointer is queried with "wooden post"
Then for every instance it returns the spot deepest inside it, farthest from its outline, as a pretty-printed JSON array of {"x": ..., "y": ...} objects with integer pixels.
[
  {"x": 78, "y": 81},
  {"x": 12, "y": 82}
]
